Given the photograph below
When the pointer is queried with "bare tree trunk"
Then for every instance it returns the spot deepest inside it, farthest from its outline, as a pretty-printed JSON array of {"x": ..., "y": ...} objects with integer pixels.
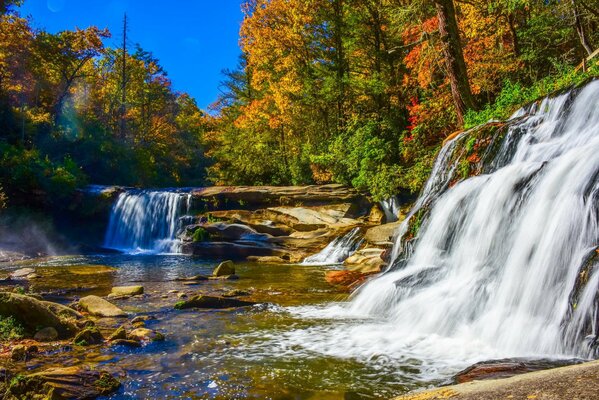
[
  {"x": 580, "y": 30},
  {"x": 454, "y": 58}
]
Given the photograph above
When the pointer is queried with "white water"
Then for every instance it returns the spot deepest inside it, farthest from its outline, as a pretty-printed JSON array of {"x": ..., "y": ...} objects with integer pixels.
[
  {"x": 391, "y": 209},
  {"x": 495, "y": 263},
  {"x": 147, "y": 221},
  {"x": 338, "y": 250}
]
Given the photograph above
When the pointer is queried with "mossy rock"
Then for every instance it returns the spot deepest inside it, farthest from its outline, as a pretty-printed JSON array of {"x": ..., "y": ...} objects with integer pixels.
[{"x": 89, "y": 336}]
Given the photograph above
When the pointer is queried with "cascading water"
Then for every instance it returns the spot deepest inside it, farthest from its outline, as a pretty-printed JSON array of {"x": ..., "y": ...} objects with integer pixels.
[
  {"x": 147, "y": 221},
  {"x": 338, "y": 250},
  {"x": 505, "y": 263},
  {"x": 391, "y": 209}
]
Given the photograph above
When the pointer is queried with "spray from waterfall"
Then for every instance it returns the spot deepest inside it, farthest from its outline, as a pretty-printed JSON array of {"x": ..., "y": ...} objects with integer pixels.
[{"x": 147, "y": 221}]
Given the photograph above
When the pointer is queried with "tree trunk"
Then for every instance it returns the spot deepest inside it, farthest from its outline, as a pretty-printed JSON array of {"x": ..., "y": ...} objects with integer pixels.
[
  {"x": 454, "y": 58},
  {"x": 580, "y": 29}
]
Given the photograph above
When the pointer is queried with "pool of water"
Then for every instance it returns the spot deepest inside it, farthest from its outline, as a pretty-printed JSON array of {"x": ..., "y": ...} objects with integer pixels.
[{"x": 262, "y": 352}]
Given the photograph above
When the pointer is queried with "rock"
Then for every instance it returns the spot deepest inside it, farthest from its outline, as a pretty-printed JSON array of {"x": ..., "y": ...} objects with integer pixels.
[
  {"x": 127, "y": 290},
  {"x": 120, "y": 333},
  {"x": 347, "y": 279},
  {"x": 22, "y": 352},
  {"x": 62, "y": 383},
  {"x": 366, "y": 261},
  {"x": 174, "y": 291},
  {"x": 99, "y": 307},
  {"x": 212, "y": 302},
  {"x": 377, "y": 215},
  {"x": 46, "y": 335},
  {"x": 33, "y": 276},
  {"x": 381, "y": 235},
  {"x": 21, "y": 273},
  {"x": 125, "y": 342},
  {"x": 145, "y": 335},
  {"x": 236, "y": 293},
  {"x": 232, "y": 232},
  {"x": 33, "y": 313},
  {"x": 195, "y": 278},
  {"x": 224, "y": 268},
  {"x": 182, "y": 295},
  {"x": 236, "y": 251},
  {"x": 142, "y": 318},
  {"x": 89, "y": 336}
]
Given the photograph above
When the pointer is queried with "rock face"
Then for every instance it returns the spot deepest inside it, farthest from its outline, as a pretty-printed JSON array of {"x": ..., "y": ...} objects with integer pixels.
[
  {"x": 33, "y": 313},
  {"x": 212, "y": 302},
  {"x": 99, "y": 307},
  {"x": 367, "y": 260},
  {"x": 572, "y": 382},
  {"x": 127, "y": 290},
  {"x": 63, "y": 383},
  {"x": 254, "y": 197}
]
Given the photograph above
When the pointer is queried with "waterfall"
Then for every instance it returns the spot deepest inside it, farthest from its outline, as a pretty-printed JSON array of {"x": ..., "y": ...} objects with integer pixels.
[
  {"x": 390, "y": 207},
  {"x": 504, "y": 263},
  {"x": 147, "y": 221},
  {"x": 338, "y": 250}
]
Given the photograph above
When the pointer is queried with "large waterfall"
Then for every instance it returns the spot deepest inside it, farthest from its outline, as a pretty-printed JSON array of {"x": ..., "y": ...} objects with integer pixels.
[
  {"x": 503, "y": 265},
  {"x": 147, "y": 221}
]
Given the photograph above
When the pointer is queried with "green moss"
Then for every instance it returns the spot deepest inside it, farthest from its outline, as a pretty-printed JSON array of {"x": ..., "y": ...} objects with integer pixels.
[
  {"x": 106, "y": 384},
  {"x": 200, "y": 235},
  {"x": 11, "y": 329},
  {"x": 179, "y": 305}
]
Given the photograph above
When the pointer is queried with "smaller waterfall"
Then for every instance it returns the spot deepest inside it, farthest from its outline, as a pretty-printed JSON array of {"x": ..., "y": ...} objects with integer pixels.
[
  {"x": 338, "y": 250},
  {"x": 147, "y": 221},
  {"x": 391, "y": 209}
]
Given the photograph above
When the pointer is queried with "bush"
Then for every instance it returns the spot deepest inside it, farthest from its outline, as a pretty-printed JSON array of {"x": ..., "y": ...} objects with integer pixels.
[{"x": 11, "y": 329}]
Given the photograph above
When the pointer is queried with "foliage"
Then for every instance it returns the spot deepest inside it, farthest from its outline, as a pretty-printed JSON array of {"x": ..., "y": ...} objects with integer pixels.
[
  {"x": 10, "y": 329},
  {"x": 63, "y": 122},
  {"x": 356, "y": 91}
]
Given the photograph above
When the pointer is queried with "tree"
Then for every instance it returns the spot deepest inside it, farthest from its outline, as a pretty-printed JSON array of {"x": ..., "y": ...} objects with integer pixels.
[{"x": 454, "y": 58}]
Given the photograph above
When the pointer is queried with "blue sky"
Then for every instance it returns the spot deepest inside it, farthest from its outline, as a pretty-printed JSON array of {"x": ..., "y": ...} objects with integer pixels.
[{"x": 193, "y": 39}]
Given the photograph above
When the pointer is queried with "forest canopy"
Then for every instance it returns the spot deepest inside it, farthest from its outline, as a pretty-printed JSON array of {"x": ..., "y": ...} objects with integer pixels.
[{"x": 359, "y": 92}]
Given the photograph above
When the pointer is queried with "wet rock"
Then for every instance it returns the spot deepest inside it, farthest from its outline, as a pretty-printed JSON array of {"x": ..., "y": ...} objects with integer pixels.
[
  {"x": 125, "y": 342},
  {"x": 212, "y": 302},
  {"x": 119, "y": 334},
  {"x": 377, "y": 215},
  {"x": 236, "y": 293},
  {"x": 33, "y": 313},
  {"x": 62, "y": 383},
  {"x": 225, "y": 268},
  {"x": 33, "y": 276},
  {"x": 492, "y": 370},
  {"x": 381, "y": 235},
  {"x": 22, "y": 273},
  {"x": 127, "y": 290},
  {"x": 21, "y": 352},
  {"x": 89, "y": 336},
  {"x": 142, "y": 318},
  {"x": 145, "y": 335},
  {"x": 46, "y": 335},
  {"x": 182, "y": 295},
  {"x": 99, "y": 307},
  {"x": 346, "y": 279},
  {"x": 196, "y": 278}
]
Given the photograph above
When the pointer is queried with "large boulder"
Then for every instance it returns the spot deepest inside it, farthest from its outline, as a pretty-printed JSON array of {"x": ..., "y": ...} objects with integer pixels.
[
  {"x": 381, "y": 235},
  {"x": 145, "y": 335},
  {"x": 62, "y": 383},
  {"x": 33, "y": 314},
  {"x": 99, "y": 307},
  {"x": 212, "y": 302},
  {"x": 367, "y": 260}
]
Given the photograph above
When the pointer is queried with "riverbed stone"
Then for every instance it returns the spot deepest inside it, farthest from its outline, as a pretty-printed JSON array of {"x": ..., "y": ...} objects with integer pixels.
[
  {"x": 46, "y": 334},
  {"x": 224, "y": 268},
  {"x": 21, "y": 273},
  {"x": 62, "y": 383},
  {"x": 125, "y": 342},
  {"x": 33, "y": 313},
  {"x": 99, "y": 307},
  {"x": 212, "y": 302},
  {"x": 127, "y": 290},
  {"x": 120, "y": 333},
  {"x": 21, "y": 352},
  {"x": 145, "y": 335},
  {"x": 89, "y": 336}
]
